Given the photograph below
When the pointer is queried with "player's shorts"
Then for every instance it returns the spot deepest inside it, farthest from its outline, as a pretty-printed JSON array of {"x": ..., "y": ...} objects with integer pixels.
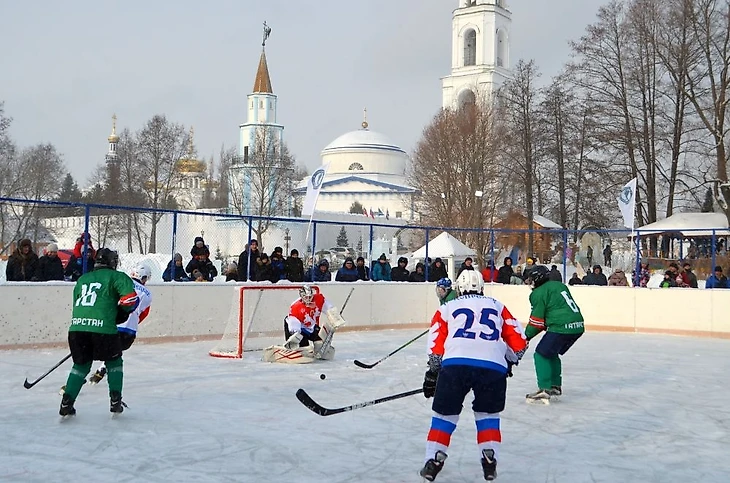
[
  {"x": 314, "y": 336},
  {"x": 87, "y": 347},
  {"x": 455, "y": 382},
  {"x": 553, "y": 344}
]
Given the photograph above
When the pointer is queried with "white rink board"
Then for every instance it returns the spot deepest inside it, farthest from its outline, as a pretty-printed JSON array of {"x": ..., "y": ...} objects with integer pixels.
[{"x": 637, "y": 408}]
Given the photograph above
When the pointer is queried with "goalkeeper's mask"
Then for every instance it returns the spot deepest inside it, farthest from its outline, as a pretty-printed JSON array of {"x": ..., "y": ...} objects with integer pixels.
[{"x": 306, "y": 294}]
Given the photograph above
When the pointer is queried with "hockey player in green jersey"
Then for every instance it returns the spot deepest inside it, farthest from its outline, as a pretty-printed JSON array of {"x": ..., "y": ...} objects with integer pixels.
[
  {"x": 444, "y": 291},
  {"x": 102, "y": 299},
  {"x": 555, "y": 312}
]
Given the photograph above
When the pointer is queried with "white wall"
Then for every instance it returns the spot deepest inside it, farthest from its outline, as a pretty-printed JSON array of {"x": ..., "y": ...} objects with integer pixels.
[{"x": 34, "y": 314}]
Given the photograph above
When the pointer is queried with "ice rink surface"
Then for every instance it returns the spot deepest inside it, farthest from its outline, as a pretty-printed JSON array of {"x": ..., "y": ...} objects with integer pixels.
[{"x": 636, "y": 408}]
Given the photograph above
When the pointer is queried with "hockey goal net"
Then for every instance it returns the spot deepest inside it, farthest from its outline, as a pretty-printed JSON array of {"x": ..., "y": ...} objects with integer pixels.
[{"x": 256, "y": 319}]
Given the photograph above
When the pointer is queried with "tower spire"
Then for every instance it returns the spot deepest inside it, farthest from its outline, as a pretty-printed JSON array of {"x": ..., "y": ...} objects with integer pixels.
[
  {"x": 113, "y": 138},
  {"x": 365, "y": 118},
  {"x": 191, "y": 144}
]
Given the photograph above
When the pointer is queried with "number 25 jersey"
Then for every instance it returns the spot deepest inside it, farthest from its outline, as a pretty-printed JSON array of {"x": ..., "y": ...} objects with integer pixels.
[{"x": 475, "y": 330}]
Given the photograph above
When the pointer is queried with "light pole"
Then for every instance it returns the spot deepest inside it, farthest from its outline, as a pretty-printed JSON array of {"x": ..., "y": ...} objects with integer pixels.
[{"x": 480, "y": 195}]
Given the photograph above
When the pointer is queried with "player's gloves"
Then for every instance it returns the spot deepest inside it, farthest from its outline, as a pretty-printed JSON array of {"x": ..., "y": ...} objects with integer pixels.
[
  {"x": 293, "y": 341},
  {"x": 429, "y": 383},
  {"x": 509, "y": 368},
  {"x": 122, "y": 315}
]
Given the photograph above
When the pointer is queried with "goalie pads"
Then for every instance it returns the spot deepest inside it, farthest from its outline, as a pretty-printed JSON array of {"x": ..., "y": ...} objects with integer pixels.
[
  {"x": 320, "y": 352},
  {"x": 274, "y": 353}
]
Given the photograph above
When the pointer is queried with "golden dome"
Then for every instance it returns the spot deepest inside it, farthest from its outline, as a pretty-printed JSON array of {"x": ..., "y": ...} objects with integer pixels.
[
  {"x": 113, "y": 138},
  {"x": 191, "y": 166}
]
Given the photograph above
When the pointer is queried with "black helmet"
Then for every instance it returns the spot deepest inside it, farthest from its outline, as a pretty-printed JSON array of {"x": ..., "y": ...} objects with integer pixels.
[
  {"x": 539, "y": 275},
  {"x": 106, "y": 258}
]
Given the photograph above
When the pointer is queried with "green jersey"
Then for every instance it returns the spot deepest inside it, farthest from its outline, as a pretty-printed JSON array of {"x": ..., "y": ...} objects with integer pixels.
[
  {"x": 554, "y": 310},
  {"x": 97, "y": 297},
  {"x": 450, "y": 295}
]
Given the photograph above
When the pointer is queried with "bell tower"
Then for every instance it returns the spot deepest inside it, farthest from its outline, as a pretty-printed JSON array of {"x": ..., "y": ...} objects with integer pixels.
[{"x": 480, "y": 51}]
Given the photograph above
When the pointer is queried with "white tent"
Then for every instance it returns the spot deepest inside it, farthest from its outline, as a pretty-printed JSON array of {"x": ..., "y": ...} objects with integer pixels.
[
  {"x": 689, "y": 225},
  {"x": 448, "y": 249}
]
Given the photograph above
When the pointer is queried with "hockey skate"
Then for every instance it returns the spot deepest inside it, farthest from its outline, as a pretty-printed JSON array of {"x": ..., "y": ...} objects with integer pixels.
[
  {"x": 555, "y": 391},
  {"x": 116, "y": 405},
  {"x": 433, "y": 466},
  {"x": 98, "y": 375},
  {"x": 541, "y": 396},
  {"x": 67, "y": 407},
  {"x": 489, "y": 464}
]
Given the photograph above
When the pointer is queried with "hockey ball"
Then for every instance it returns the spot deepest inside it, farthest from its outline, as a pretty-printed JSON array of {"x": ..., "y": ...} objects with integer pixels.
[{"x": 322, "y": 376}]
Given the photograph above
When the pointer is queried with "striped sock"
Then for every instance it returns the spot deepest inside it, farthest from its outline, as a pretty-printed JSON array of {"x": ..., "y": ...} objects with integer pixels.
[
  {"x": 439, "y": 436},
  {"x": 489, "y": 435}
]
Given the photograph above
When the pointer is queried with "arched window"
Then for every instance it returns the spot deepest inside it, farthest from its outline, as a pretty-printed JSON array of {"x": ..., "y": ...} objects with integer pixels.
[
  {"x": 502, "y": 49},
  {"x": 470, "y": 47},
  {"x": 355, "y": 167},
  {"x": 466, "y": 98}
]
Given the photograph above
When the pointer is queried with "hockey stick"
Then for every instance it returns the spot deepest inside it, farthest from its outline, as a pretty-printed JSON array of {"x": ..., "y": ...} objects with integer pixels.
[
  {"x": 328, "y": 340},
  {"x": 28, "y": 385},
  {"x": 370, "y": 366},
  {"x": 310, "y": 403}
]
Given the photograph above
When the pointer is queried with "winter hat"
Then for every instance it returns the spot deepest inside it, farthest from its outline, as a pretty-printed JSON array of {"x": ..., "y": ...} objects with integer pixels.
[
  {"x": 403, "y": 260},
  {"x": 25, "y": 243},
  {"x": 278, "y": 250},
  {"x": 253, "y": 240},
  {"x": 382, "y": 257},
  {"x": 360, "y": 259},
  {"x": 178, "y": 257},
  {"x": 199, "y": 239},
  {"x": 323, "y": 262},
  {"x": 51, "y": 247},
  {"x": 718, "y": 269},
  {"x": 295, "y": 252},
  {"x": 530, "y": 260}
]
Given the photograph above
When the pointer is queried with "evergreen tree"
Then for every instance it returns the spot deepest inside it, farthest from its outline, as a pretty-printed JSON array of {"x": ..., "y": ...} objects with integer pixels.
[
  {"x": 708, "y": 206},
  {"x": 342, "y": 238},
  {"x": 70, "y": 193},
  {"x": 356, "y": 208}
]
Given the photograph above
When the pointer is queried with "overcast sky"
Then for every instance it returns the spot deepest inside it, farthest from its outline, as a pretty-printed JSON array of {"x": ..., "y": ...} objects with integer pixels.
[{"x": 66, "y": 67}]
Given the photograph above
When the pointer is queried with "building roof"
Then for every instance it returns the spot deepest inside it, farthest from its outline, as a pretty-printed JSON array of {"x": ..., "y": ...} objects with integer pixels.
[
  {"x": 362, "y": 139},
  {"x": 545, "y": 223},
  {"x": 688, "y": 225},
  {"x": 328, "y": 185},
  {"x": 263, "y": 81},
  {"x": 444, "y": 246}
]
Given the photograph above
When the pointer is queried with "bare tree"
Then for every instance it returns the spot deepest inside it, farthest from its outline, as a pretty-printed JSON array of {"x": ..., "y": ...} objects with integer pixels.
[
  {"x": 161, "y": 145},
  {"x": 455, "y": 158},
  {"x": 261, "y": 184}
]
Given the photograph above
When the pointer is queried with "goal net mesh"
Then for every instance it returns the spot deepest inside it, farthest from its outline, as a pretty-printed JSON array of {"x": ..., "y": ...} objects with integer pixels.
[{"x": 256, "y": 319}]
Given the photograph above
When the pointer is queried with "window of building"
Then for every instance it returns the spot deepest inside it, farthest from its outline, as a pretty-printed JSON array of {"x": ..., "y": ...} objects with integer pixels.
[
  {"x": 261, "y": 104},
  {"x": 399, "y": 214},
  {"x": 502, "y": 49},
  {"x": 470, "y": 47},
  {"x": 355, "y": 167},
  {"x": 245, "y": 155}
]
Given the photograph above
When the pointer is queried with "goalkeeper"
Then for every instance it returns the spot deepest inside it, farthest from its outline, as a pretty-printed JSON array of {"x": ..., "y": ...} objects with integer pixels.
[{"x": 302, "y": 325}]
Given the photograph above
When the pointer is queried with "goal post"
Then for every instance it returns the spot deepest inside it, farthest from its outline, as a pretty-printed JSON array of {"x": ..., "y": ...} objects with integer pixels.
[{"x": 256, "y": 318}]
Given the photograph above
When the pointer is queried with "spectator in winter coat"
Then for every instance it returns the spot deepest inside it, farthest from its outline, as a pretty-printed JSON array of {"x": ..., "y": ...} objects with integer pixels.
[
  {"x": 466, "y": 265},
  {"x": 644, "y": 275},
  {"x": 294, "y": 267},
  {"x": 203, "y": 264},
  {"x": 669, "y": 280},
  {"x": 689, "y": 278},
  {"x": 363, "y": 272},
  {"x": 247, "y": 271},
  {"x": 607, "y": 252},
  {"x": 717, "y": 280},
  {"x": 348, "y": 271},
  {"x": 199, "y": 248},
  {"x": 575, "y": 280},
  {"x": 618, "y": 279},
  {"x": 278, "y": 266},
  {"x": 554, "y": 275},
  {"x": 437, "y": 271},
  {"x": 264, "y": 270},
  {"x": 489, "y": 273},
  {"x": 400, "y": 273},
  {"x": 232, "y": 272},
  {"x": 529, "y": 267},
  {"x": 50, "y": 267},
  {"x": 596, "y": 277},
  {"x": 22, "y": 264},
  {"x": 381, "y": 270},
  {"x": 75, "y": 266},
  {"x": 419, "y": 274},
  {"x": 504, "y": 275},
  {"x": 175, "y": 270},
  {"x": 321, "y": 273}
]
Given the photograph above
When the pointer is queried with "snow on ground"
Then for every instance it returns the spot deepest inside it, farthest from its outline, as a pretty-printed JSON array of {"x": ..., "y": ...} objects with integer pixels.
[{"x": 637, "y": 408}]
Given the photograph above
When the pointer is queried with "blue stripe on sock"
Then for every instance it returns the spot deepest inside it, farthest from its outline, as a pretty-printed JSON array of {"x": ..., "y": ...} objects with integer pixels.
[
  {"x": 487, "y": 423},
  {"x": 442, "y": 425}
]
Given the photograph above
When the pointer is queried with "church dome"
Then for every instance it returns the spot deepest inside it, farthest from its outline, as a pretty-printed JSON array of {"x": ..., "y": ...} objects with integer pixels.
[{"x": 362, "y": 140}]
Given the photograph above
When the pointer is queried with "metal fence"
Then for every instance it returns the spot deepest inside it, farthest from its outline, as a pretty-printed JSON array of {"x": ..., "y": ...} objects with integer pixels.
[{"x": 155, "y": 236}]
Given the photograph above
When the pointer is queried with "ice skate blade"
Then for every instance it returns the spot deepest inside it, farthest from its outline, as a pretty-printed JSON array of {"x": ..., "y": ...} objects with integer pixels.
[
  {"x": 66, "y": 418},
  {"x": 539, "y": 402}
]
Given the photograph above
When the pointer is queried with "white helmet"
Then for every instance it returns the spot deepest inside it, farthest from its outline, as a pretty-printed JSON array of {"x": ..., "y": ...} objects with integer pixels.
[
  {"x": 306, "y": 293},
  {"x": 470, "y": 281},
  {"x": 140, "y": 273}
]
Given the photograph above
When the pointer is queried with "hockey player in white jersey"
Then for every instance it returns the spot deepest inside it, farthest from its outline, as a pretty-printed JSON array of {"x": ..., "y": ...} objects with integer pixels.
[
  {"x": 128, "y": 330},
  {"x": 470, "y": 340}
]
